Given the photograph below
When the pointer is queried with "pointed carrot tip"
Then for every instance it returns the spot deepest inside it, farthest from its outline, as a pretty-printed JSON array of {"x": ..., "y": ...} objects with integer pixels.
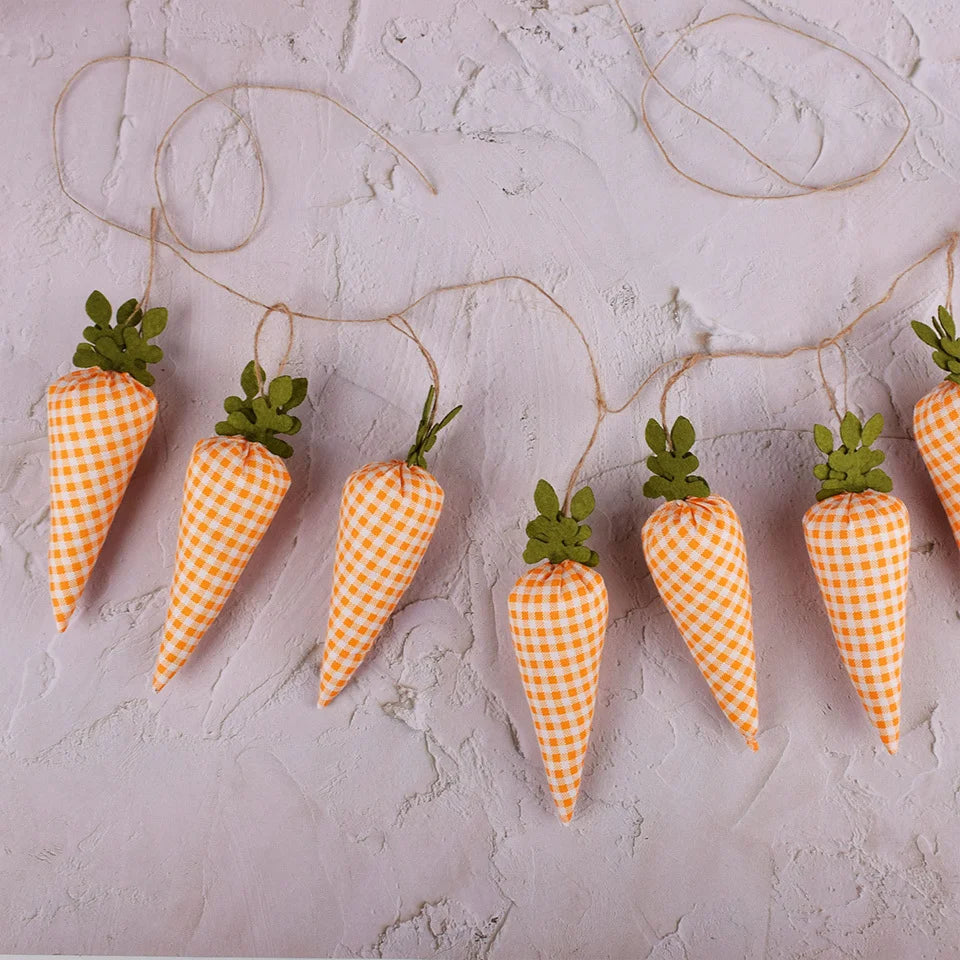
[
  {"x": 61, "y": 624},
  {"x": 892, "y": 747},
  {"x": 752, "y": 744},
  {"x": 158, "y": 684}
]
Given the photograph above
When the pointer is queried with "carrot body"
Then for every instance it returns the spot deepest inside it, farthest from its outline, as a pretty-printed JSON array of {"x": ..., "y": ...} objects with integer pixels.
[
  {"x": 232, "y": 492},
  {"x": 99, "y": 422},
  {"x": 558, "y": 618},
  {"x": 697, "y": 558},
  {"x": 936, "y": 426},
  {"x": 388, "y": 512},
  {"x": 859, "y": 547}
]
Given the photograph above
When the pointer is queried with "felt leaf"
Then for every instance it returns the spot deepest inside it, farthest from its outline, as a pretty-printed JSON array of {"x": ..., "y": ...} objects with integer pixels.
[
  {"x": 86, "y": 356},
  {"x": 953, "y": 366},
  {"x": 280, "y": 391},
  {"x": 108, "y": 347},
  {"x": 294, "y": 427},
  {"x": 546, "y": 500},
  {"x": 232, "y": 404},
  {"x": 950, "y": 347},
  {"x": 536, "y": 551},
  {"x": 656, "y": 437},
  {"x": 872, "y": 430},
  {"x": 927, "y": 334},
  {"x": 140, "y": 372},
  {"x": 946, "y": 321},
  {"x": 447, "y": 418},
  {"x": 584, "y": 533},
  {"x": 582, "y": 504},
  {"x": 823, "y": 438},
  {"x": 297, "y": 395},
  {"x": 682, "y": 436},
  {"x": 98, "y": 309},
  {"x": 878, "y": 480},
  {"x": 580, "y": 554},
  {"x": 125, "y": 311},
  {"x": 954, "y": 378},
  {"x": 821, "y": 471},
  {"x": 540, "y": 528},
  {"x": 278, "y": 447},
  {"x": 850, "y": 431},
  {"x": 92, "y": 334},
  {"x": 248, "y": 381},
  {"x": 656, "y": 487},
  {"x": 568, "y": 528},
  {"x": 154, "y": 322}
]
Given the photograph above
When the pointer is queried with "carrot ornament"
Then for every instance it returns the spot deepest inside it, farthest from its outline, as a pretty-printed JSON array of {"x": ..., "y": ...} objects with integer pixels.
[
  {"x": 694, "y": 548},
  {"x": 99, "y": 419},
  {"x": 936, "y": 417},
  {"x": 234, "y": 486},
  {"x": 558, "y": 618},
  {"x": 858, "y": 539},
  {"x": 388, "y": 512}
]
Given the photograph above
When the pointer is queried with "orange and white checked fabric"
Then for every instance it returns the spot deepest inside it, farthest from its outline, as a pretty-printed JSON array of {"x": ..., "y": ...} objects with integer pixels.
[
  {"x": 698, "y": 560},
  {"x": 232, "y": 492},
  {"x": 936, "y": 425},
  {"x": 859, "y": 546},
  {"x": 558, "y": 618},
  {"x": 388, "y": 513},
  {"x": 99, "y": 422}
]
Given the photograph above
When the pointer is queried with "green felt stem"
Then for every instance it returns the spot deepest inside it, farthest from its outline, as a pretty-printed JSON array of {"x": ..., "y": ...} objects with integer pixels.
[
  {"x": 556, "y": 537},
  {"x": 942, "y": 336},
  {"x": 853, "y": 466},
  {"x": 427, "y": 431},
  {"x": 260, "y": 416},
  {"x": 125, "y": 346},
  {"x": 672, "y": 464}
]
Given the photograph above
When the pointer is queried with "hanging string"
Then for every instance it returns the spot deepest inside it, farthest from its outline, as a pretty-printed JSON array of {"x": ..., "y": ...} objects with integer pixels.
[
  {"x": 398, "y": 320},
  {"x": 802, "y": 189},
  {"x": 257, "y": 369}
]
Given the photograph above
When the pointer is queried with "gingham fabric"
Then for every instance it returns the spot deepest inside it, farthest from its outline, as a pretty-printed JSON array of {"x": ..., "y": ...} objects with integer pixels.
[
  {"x": 388, "y": 513},
  {"x": 232, "y": 492},
  {"x": 859, "y": 546},
  {"x": 558, "y": 618},
  {"x": 698, "y": 560},
  {"x": 936, "y": 425},
  {"x": 98, "y": 424}
]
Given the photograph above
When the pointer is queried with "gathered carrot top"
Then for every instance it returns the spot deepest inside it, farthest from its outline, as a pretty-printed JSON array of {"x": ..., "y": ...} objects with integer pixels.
[
  {"x": 554, "y": 535},
  {"x": 672, "y": 464},
  {"x": 427, "y": 430},
  {"x": 259, "y": 416},
  {"x": 853, "y": 466},
  {"x": 123, "y": 347},
  {"x": 942, "y": 336}
]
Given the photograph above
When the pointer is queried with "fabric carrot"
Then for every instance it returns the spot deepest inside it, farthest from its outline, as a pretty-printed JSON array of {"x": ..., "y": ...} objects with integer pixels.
[
  {"x": 558, "y": 618},
  {"x": 234, "y": 486},
  {"x": 694, "y": 548},
  {"x": 936, "y": 417},
  {"x": 858, "y": 538},
  {"x": 388, "y": 512},
  {"x": 99, "y": 419}
]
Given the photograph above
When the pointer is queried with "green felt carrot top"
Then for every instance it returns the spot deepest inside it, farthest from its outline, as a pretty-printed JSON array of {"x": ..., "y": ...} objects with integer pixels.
[
  {"x": 851, "y": 467},
  {"x": 427, "y": 431},
  {"x": 942, "y": 336},
  {"x": 259, "y": 415},
  {"x": 556, "y": 537},
  {"x": 672, "y": 463},
  {"x": 123, "y": 347}
]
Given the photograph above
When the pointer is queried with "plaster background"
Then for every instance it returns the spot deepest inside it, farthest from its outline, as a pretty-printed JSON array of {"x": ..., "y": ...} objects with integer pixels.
[{"x": 228, "y": 815}]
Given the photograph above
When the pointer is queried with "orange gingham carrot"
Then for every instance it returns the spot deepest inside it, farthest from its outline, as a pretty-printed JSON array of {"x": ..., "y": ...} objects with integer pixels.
[
  {"x": 99, "y": 419},
  {"x": 936, "y": 426},
  {"x": 859, "y": 547},
  {"x": 697, "y": 558},
  {"x": 233, "y": 489},
  {"x": 388, "y": 512},
  {"x": 558, "y": 617},
  {"x": 232, "y": 492},
  {"x": 99, "y": 422},
  {"x": 693, "y": 545}
]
